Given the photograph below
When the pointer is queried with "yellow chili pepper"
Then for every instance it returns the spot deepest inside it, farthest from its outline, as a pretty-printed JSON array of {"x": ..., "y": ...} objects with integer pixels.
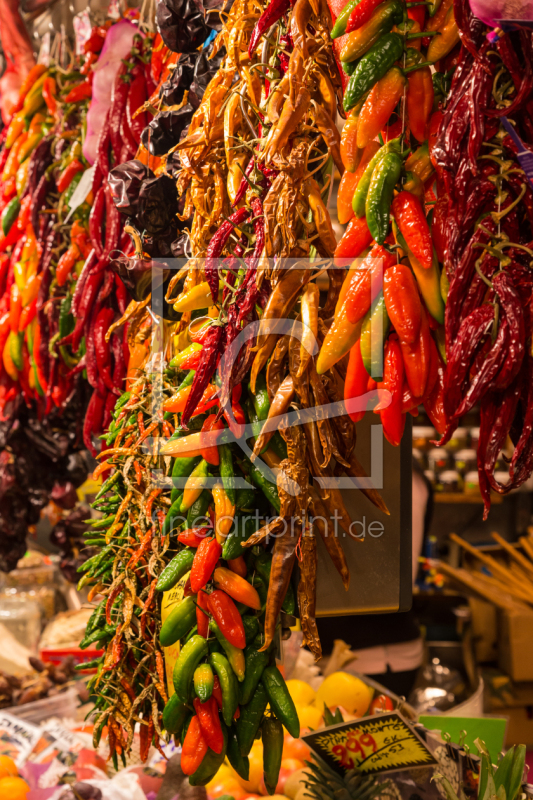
[
  {"x": 224, "y": 513},
  {"x": 195, "y": 299},
  {"x": 339, "y": 340},
  {"x": 16, "y": 126},
  {"x": 22, "y": 176},
  {"x": 31, "y": 289},
  {"x": 308, "y": 343},
  {"x": 9, "y": 365},
  {"x": 441, "y": 45},
  {"x": 196, "y": 483},
  {"x": 29, "y": 145}
]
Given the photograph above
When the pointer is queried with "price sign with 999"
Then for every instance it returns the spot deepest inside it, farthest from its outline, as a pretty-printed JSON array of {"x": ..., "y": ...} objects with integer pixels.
[{"x": 381, "y": 743}]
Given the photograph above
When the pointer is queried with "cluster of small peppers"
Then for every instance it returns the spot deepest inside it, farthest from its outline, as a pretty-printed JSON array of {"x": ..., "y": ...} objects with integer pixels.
[
  {"x": 390, "y": 313},
  {"x": 484, "y": 225}
]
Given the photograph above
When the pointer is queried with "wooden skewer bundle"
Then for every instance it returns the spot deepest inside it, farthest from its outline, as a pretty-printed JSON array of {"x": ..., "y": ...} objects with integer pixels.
[{"x": 506, "y": 586}]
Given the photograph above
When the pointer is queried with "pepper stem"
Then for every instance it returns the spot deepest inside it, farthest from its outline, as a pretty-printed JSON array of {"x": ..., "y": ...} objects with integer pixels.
[
  {"x": 422, "y": 35},
  {"x": 407, "y": 70},
  {"x": 136, "y": 240}
]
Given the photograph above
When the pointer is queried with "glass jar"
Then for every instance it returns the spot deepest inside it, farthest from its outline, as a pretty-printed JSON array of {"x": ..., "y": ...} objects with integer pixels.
[
  {"x": 472, "y": 482},
  {"x": 438, "y": 460},
  {"x": 22, "y": 618},
  {"x": 459, "y": 440},
  {"x": 450, "y": 481},
  {"x": 465, "y": 461},
  {"x": 423, "y": 436}
]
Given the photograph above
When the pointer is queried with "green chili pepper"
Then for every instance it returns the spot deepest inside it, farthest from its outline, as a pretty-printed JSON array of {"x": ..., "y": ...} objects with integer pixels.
[
  {"x": 361, "y": 192},
  {"x": 179, "y": 621},
  {"x": 15, "y": 349},
  {"x": 269, "y": 489},
  {"x": 9, "y": 215},
  {"x": 243, "y": 528},
  {"x": 174, "y": 714},
  {"x": 106, "y": 486},
  {"x": 255, "y": 664},
  {"x": 228, "y": 686},
  {"x": 381, "y": 22},
  {"x": 250, "y": 719},
  {"x": 96, "y": 617},
  {"x": 233, "y": 654},
  {"x": 380, "y": 193},
  {"x": 198, "y": 510},
  {"x": 66, "y": 319},
  {"x": 245, "y": 498},
  {"x": 374, "y": 331},
  {"x": 240, "y": 763},
  {"x": 260, "y": 399},
  {"x": 189, "y": 658},
  {"x": 372, "y": 67},
  {"x": 173, "y": 515},
  {"x": 251, "y": 627},
  {"x": 272, "y": 736},
  {"x": 280, "y": 700},
  {"x": 226, "y": 471},
  {"x": 100, "y": 634},
  {"x": 339, "y": 29},
  {"x": 175, "y": 569},
  {"x": 93, "y": 664}
]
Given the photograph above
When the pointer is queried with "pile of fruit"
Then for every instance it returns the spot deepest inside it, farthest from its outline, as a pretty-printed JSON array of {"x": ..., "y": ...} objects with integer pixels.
[{"x": 12, "y": 786}]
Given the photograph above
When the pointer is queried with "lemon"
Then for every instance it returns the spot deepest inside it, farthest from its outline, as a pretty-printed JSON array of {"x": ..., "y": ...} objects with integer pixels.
[
  {"x": 301, "y": 692},
  {"x": 309, "y": 716},
  {"x": 294, "y": 783},
  {"x": 343, "y": 689}
]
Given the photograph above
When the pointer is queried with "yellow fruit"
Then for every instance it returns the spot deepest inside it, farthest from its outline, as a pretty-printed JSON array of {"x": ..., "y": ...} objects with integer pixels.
[
  {"x": 343, "y": 689},
  {"x": 294, "y": 783},
  {"x": 278, "y": 797},
  {"x": 301, "y": 692},
  {"x": 256, "y": 769},
  {"x": 310, "y": 716},
  {"x": 224, "y": 773},
  {"x": 8, "y": 767},
  {"x": 13, "y": 789}
]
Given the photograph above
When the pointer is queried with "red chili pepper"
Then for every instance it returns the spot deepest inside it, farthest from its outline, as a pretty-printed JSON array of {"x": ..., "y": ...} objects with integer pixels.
[
  {"x": 205, "y": 561},
  {"x": 355, "y": 238},
  {"x": 83, "y": 91},
  {"x": 15, "y": 308},
  {"x": 49, "y": 94},
  {"x": 361, "y": 14},
  {"x": 217, "y": 691},
  {"x": 206, "y": 368},
  {"x": 438, "y": 225},
  {"x": 90, "y": 59},
  {"x": 272, "y": 13},
  {"x": 66, "y": 177},
  {"x": 434, "y": 399},
  {"x": 227, "y": 617},
  {"x": 392, "y": 418},
  {"x": 409, "y": 214},
  {"x": 356, "y": 381},
  {"x": 217, "y": 244},
  {"x": 202, "y": 617},
  {"x": 27, "y": 314},
  {"x": 416, "y": 359},
  {"x": 194, "y": 747},
  {"x": 210, "y": 723},
  {"x": 193, "y": 536},
  {"x": 366, "y": 283},
  {"x": 402, "y": 302},
  {"x": 65, "y": 264},
  {"x": 96, "y": 40},
  {"x": 211, "y": 454}
]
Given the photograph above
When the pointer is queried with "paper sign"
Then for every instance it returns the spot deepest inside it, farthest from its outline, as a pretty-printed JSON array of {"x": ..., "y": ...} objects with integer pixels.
[
  {"x": 381, "y": 743},
  {"x": 466, "y": 730},
  {"x": 17, "y": 737}
]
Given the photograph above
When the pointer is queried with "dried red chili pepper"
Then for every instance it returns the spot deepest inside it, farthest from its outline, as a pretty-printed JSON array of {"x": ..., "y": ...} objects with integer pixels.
[
  {"x": 216, "y": 246},
  {"x": 212, "y": 348}
]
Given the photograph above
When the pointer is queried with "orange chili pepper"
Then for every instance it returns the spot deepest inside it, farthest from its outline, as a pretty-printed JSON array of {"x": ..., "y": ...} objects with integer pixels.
[
  {"x": 15, "y": 308},
  {"x": 49, "y": 94},
  {"x": 194, "y": 747},
  {"x": 237, "y": 587},
  {"x": 379, "y": 105},
  {"x": 238, "y": 565}
]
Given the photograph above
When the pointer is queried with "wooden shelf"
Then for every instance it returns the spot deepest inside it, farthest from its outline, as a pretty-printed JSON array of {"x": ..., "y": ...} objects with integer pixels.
[{"x": 465, "y": 498}]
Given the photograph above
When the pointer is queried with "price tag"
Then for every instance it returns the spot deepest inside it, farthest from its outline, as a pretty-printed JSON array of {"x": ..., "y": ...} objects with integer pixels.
[{"x": 381, "y": 743}]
